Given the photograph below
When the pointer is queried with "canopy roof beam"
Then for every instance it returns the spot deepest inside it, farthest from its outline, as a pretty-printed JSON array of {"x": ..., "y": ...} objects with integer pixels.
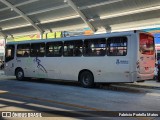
[
  {"x": 20, "y": 4},
  {"x": 70, "y": 2},
  {"x": 21, "y": 14},
  {"x": 136, "y": 11}
]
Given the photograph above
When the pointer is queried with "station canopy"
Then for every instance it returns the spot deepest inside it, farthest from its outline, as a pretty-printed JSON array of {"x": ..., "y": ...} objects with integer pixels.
[{"x": 22, "y": 17}]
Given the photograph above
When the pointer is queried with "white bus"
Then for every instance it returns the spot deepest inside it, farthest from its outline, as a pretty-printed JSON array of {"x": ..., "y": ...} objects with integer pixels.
[{"x": 106, "y": 58}]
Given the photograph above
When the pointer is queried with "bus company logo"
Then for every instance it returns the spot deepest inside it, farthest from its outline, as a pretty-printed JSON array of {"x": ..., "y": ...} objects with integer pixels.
[
  {"x": 18, "y": 60},
  {"x": 121, "y": 61}
]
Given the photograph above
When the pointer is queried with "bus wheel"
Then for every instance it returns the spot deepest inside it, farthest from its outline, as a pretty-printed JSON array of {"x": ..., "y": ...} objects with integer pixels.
[
  {"x": 86, "y": 79},
  {"x": 19, "y": 74}
]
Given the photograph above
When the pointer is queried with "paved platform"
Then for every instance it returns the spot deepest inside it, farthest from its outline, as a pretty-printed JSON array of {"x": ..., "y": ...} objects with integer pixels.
[{"x": 151, "y": 84}]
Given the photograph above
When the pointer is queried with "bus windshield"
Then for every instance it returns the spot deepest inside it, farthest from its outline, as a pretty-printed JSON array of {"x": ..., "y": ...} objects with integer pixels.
[{"x": 146, "y": 44}]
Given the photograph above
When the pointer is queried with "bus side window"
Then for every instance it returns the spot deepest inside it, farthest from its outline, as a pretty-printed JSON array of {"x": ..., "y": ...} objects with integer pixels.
[
  {"x": 41, "y": 51},
  {"x": 73, "y": 48},
  {"x": 95, "y": 47},
  {"x": 57, "y": 49},
  {"x": 102, "y": 52},
  {"x": 88, "y": 51},
  {"x": 77, "y": 52},
  {"x": 33, "y": 50},
  {"x": 117, "y": 46},
  {"x": 23, "y": 50},
  {"x": 37, "y": 49},
  {"x": 26, "y": 54},
  {"x": 78, "y": 46},
  {"x": 60, "y": 50},
  {"x": 68, "y": 48},
  {"x": 54, "y": 49}
]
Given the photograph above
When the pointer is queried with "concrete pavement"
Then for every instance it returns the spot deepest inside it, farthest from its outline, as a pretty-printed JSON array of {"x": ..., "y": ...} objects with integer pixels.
[{"x": 151, "y": 84}]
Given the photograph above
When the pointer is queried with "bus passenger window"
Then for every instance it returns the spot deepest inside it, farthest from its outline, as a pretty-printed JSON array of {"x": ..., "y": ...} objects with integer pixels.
[
  {"x": 73, "y": 48},
  {"x": 23, "y": 50},
  {"x": 54, "y": 49},
  {"x": 68, "y": 48},
  {"x": 77, "y": 52},
  {"x": 117, "y": 46},
  {"x": 37, "y": 49},
  {"x": 95, "y": 47},
  {"x": 78, "y": 48},
  {"x": 102, "y": 52},
  {"x": 26, "y": 54}
]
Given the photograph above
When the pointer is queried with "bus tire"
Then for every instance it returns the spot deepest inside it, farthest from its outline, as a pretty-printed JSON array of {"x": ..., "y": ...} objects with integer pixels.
[
  {"x": 19, "y": 74},
  {"x": 86, "y": 79}
]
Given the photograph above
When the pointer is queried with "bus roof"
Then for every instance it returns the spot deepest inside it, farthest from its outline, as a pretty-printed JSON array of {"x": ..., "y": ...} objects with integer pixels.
[{"x": 82, "y": 37}]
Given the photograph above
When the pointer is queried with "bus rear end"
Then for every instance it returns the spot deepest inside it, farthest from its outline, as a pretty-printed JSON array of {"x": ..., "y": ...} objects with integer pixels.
[{"x": 146, "y": 57}]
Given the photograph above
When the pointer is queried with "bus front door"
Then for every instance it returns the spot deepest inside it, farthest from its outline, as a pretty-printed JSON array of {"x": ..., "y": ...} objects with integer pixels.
[{"x": 9, "y": 60}]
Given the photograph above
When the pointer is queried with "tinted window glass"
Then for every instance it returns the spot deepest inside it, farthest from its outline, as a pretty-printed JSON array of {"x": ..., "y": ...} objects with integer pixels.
[
  {"x": 73, "y": 48},
  {"x": 95, "y": 47},
  {"x": 37, "y": 49},
  {"x": 23, "y": 50},
  {"x": 54, "y": 49},
  {"x": 117, "y": 46}
]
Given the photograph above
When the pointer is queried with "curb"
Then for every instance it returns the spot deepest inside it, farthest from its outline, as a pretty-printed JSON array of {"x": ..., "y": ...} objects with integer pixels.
[{"x": 140, "y": 86}]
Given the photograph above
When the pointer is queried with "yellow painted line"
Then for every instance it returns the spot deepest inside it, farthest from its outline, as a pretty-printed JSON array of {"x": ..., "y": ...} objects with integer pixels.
[
  {"x": 9, "y": 100},
  {"x": 47, "y": 107},
  {"x": 57, "y": 102},
  {"x": 74, "y": 105},
  {"x": 2, "y": 91}
]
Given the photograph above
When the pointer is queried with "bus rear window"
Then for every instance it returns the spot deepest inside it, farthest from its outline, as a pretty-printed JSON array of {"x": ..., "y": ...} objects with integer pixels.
[{"x": 146, "y": 44}]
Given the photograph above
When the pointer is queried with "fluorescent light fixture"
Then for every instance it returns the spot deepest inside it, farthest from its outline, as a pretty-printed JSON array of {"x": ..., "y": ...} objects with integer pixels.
[
  {"x": 99, "y": 4},
  {"x": 17, "y": 26},
  {"x": 60, "y": 19},
  {"x": 129, "y": 12}
]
